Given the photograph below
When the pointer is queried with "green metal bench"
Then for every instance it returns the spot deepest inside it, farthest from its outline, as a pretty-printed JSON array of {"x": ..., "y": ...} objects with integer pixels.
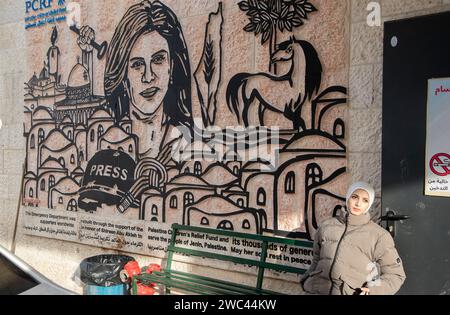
[{"x": 172, "y": 279}]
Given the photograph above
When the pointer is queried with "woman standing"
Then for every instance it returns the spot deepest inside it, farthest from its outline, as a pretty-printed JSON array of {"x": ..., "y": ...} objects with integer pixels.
[{"x": 352, "y": 254}]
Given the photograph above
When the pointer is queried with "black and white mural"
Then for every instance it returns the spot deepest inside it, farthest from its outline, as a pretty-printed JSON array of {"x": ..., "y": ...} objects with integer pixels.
[{"x": 136, "y": 150}]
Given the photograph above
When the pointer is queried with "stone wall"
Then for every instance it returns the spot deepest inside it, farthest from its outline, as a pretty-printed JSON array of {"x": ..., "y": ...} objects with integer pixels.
[
  {"x": 58, "y": 260},
  {"x": 12, "y": 142}
]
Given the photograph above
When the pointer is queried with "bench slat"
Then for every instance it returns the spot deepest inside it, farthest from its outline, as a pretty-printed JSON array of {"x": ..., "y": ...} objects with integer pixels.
[
  {"x": 237, "y": 260},
  {"x": 234, "y": 286},
  {"x": 191, "y": 286}
]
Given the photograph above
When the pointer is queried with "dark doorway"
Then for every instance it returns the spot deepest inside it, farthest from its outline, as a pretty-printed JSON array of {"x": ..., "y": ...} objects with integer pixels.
[{"x": 415, "y": 50}]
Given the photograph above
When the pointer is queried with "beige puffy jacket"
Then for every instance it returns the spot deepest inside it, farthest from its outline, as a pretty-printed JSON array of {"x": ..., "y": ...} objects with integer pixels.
[{"x": 351, "y": 252}]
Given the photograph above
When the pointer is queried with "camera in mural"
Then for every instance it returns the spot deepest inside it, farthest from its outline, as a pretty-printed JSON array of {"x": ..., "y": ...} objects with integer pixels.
[{"x": 113, "y": 154}]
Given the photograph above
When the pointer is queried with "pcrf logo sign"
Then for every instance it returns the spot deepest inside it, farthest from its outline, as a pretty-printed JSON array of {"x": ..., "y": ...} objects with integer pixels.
[{"x": 37, "y": 5}]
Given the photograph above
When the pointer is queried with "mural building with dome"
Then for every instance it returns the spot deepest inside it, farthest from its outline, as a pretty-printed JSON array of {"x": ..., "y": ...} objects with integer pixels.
[{"x": 88, "y": 153}]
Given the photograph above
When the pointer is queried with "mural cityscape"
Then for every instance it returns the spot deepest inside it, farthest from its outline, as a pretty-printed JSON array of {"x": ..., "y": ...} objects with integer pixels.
[{"x": 129, "y": 150}]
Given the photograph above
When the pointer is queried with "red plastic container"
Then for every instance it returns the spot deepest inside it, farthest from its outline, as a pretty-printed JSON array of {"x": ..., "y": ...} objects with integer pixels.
[
  {"x": 153, "y": 267},
  {"x": 130, "y": 270},
  {"x": 145, "y": 290}
]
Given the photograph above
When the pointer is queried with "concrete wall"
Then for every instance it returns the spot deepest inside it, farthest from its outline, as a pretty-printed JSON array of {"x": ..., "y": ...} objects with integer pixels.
[
  {"x": 12, "y": 142},
  {"x": 58, "y": 260}
]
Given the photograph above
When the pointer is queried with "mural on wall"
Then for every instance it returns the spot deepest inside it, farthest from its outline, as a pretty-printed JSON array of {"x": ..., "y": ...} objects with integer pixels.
[{"x": 114, "y": 154}]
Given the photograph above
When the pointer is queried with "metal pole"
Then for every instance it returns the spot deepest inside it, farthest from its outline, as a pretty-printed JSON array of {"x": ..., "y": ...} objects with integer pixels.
[{"x": 13, "y": 244}]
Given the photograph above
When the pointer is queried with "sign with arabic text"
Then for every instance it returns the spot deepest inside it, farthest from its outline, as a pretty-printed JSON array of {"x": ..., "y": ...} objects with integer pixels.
[
  {"x": 152, "y": 238},
  {"x": 437, "y": 173}
]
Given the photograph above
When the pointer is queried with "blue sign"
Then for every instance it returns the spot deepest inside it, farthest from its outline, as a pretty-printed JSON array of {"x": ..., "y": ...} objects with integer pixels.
[
  {"x": 38, "y": 5},
  {"x": 41, "y": 12}
]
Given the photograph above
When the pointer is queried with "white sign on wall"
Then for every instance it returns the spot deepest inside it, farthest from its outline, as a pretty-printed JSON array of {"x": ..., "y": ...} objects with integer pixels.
[
  {"x": 152, "y": 238},
  {"x": 437, "y": 167}
]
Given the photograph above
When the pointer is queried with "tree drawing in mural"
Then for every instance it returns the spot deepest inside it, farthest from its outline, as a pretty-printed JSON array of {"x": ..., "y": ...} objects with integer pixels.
[
  {"x": 270, "y": 16},
  {"x": 114, "y": 154}
]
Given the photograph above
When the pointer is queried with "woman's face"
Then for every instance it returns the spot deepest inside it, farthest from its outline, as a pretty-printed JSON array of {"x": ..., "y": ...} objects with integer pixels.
[
  {"x": 149, "y": 71},
  {"x": 359, "y": 202}
]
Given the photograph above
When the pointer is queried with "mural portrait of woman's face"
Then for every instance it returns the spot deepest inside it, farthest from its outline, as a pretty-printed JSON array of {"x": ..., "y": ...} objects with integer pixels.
[{"x": 149, "y": 71}]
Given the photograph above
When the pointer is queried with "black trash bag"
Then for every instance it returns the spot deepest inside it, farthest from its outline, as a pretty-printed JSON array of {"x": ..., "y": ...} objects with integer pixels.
[{"x": 103, "y": 270}]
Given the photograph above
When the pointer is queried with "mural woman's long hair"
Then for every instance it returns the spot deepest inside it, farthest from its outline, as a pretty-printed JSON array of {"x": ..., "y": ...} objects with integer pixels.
[{"x": 139, "y": 19}]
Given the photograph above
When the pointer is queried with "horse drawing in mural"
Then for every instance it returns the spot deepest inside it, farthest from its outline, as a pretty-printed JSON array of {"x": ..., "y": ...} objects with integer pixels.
[{"x": 285, "y": 94}]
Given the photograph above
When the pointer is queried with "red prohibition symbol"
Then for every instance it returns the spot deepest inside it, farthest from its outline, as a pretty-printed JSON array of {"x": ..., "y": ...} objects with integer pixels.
[{"x": 440, "y": 164}]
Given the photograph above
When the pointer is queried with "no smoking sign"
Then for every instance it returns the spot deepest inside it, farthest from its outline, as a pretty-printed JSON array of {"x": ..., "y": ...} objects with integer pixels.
[{"x": 440, "y": 164}]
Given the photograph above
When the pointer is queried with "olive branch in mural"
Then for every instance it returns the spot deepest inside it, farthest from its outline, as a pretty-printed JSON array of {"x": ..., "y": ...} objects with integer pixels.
[
  {"x": 267, "y": 17},
  {"x": 209, "y": 70},
  {"x": 114, "y": 151}
]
